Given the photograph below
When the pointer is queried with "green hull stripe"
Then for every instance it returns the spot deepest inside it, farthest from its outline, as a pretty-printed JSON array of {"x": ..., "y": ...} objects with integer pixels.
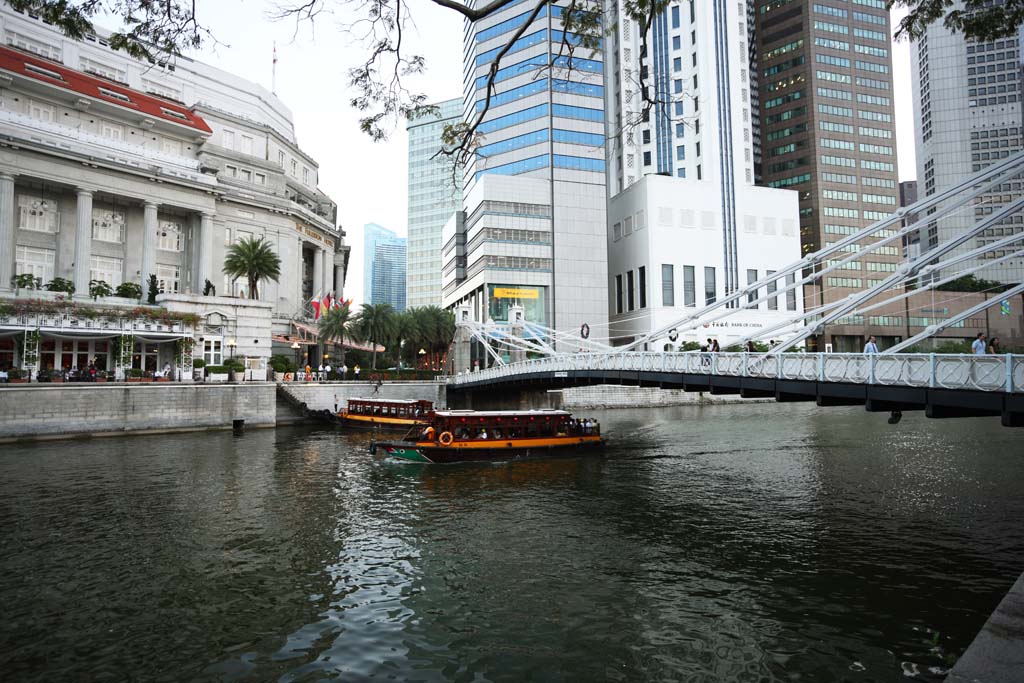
[{"x": 408, "y": 454}]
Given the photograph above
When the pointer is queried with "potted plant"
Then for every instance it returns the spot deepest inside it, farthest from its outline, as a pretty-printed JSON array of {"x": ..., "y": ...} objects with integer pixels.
[
  {"x": 59, "y": 284},
  {"x": 217, "y": 373},
  {"x": 129, "y": 290},
  {"x": 56, "y": 376},
  {"x": 197, "y": 368},
  {"x": 98, "y": 288},
  {"x": 236, "y": 368},
  {"x": 162, "y": 378},
  {"x": 101, "y": 375},
  {"x": 25, "y": 281},
  {"x": 134, "y": 374},
  {"x": 17, "y": 376}
]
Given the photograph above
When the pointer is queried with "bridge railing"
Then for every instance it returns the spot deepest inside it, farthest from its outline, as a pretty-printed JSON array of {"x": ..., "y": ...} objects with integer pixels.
[{"x": 946, "y": 371}]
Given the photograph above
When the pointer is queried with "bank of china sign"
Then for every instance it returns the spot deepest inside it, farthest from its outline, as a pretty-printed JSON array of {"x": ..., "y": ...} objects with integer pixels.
[{"x": 515, "y": 293}]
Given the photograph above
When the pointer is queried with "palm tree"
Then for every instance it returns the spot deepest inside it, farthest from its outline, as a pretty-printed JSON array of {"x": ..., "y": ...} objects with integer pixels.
[
  {"x": 334, "y": 325},
  {"x": 254, "y": 260},
  {"x": 375, "y": 324}
]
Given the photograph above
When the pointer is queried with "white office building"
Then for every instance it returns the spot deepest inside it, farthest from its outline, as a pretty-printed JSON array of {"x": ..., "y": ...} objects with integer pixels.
[
  {"x": 532, "y": 230},
  {"x": 968, "y": 114},
  {"x": 113, "y": 169},
  {"x": 434, "y": 195},
  {"x": 687, "y": 225}
]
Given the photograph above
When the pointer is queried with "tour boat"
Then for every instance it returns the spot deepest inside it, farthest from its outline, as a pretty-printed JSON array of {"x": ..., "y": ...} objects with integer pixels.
[
  {"x": 385, "y": 413},
  {"x": 464, "y": 435}
]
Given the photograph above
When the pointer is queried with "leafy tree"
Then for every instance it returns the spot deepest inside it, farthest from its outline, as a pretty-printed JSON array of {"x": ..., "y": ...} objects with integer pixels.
[
  {"x": 154, "y": 287},
  {"x": 335, "y": 325},
  {"x": 59, "y": 284},
  {"x": 376, "y": 324},
  {"x": 979, "y": 19},
  {"x": 129, "y": 290},
  {"x": 253, "y": 259},
  {"x": 969, "y": 283}
]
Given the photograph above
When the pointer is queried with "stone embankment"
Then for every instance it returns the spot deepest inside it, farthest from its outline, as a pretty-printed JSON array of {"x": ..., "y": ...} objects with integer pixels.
[{"x": 41, "y": 411}]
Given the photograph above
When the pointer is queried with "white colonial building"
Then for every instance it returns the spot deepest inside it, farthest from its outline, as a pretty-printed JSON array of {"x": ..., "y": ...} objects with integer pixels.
[
  {"x": 114, "y": 169},
  {"x": 687, "y": 225}
]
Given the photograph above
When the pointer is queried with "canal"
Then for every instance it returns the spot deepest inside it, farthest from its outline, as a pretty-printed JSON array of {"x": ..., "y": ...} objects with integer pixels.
[{"x": 741, "y": 543}]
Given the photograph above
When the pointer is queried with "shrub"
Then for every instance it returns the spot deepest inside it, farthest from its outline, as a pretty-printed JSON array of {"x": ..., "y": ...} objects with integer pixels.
[
  {"x": 234, "y": 364},
  {"x": 134, "y": 372},
  {"x": 16, "y": 373},
  {"x": 26, "y": 281},
  {"x": 98, "y": 288},
  {"x": 198, "y": 363},
  {"x": 59, "y": 284},
  {"x": 216, "y": 370},
  {"x": 129, "y": 290}
]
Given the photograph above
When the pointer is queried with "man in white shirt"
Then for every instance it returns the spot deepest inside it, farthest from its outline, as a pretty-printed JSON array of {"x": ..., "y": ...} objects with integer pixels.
[
  {"x": 978, "y": 347},
  {"x": 871, "y": 346}
]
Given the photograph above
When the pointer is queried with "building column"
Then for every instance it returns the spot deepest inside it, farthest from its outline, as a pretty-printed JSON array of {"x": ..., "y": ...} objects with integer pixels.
[
  {"x": 329, "y": 272},
  {"x": 300, "y": 302},
  {"x": 149, "y": 227},
  {"x": 6, "y": 230},
  {"x": 205, "y": 252},
  {"x": 339, "y": 278},
  {"x": 83, "y": 241},
  {"x": 318, "y": 270}
]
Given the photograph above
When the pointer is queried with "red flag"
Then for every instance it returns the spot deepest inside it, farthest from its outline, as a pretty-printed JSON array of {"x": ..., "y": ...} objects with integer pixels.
[
  {"x": 316, "y": 307},
  {"x": 327, "y": 302}
]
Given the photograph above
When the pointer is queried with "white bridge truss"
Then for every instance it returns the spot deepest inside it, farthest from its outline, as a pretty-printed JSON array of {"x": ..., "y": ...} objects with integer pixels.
[{"x": 506, "y": 347}]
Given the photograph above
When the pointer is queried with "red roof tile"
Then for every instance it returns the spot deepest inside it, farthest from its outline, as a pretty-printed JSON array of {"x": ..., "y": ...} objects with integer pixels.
[{"x": 154, "y": 107}]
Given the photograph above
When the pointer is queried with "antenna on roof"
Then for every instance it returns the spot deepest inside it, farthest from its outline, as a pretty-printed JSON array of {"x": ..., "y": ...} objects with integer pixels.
[{"x": 273, "y": 72}]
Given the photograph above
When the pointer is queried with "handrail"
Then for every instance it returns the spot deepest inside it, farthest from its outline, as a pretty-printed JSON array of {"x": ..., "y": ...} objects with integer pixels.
[{"x": 949, "y": 371}]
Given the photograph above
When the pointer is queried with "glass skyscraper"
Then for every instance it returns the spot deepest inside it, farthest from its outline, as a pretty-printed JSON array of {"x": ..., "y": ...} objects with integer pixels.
[
  {"x": 383, "y": 267},
  {"x": 533, "y": 225},
  {"x": 433, "y": 197}
]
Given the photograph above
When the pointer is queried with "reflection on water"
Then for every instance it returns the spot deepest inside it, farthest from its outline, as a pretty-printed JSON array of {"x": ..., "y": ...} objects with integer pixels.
[{"x": 724, "y": 543}]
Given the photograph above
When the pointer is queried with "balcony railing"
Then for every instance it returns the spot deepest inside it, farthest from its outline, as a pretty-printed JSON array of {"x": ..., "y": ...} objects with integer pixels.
[{"x": 69, "y": 324}]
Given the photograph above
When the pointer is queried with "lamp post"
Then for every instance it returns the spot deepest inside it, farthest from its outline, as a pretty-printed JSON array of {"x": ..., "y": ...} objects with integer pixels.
[
  {"x": 295, "y": 350},
  {"x": 231, "y": 345},
  {"x": 421, "y": 353}
]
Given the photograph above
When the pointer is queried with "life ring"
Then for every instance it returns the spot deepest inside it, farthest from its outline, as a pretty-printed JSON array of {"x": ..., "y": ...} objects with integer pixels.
[
  {"x": 445, "y": 439},
  {"x": 673, "y": 334},
  {"x": 585, "y": 330}
]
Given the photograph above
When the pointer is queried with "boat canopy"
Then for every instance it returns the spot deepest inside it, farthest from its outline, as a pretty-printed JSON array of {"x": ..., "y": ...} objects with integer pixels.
[
  {"x": 502, "y": 413},
  {"x": 391, "y": 401}
]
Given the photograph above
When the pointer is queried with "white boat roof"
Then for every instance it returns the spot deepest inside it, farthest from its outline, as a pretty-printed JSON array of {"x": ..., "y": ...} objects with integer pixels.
[
  {"x": 500, "y": 413},
  {"x": 389, "y": 400}
]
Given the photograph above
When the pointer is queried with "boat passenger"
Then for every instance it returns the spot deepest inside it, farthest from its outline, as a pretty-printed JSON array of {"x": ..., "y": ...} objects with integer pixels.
[
  {"x": 483, "y": 433},
  {"x": 428, "y": 433}
]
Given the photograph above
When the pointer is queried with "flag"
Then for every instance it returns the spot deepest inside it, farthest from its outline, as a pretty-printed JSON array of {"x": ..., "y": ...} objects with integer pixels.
[
  {"x": 316, "y": 306},
  {"x": 327, "y": 302}
]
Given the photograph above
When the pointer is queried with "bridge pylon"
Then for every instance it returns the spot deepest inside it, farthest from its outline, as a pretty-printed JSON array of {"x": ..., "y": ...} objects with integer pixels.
[
  {"x": 516, "y": 322},
  {"x": 461, "y": 353}
]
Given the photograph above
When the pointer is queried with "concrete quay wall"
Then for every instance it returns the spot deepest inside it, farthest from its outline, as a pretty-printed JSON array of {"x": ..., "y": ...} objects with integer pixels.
[
  {"x": 616, "y": 396},
  {"x": 65, "y": 410},
  {"x": 324, "y": 396}
]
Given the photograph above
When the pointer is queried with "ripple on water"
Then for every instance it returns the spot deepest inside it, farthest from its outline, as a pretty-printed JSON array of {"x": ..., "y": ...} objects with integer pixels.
[{"x": 720, "y": 543}]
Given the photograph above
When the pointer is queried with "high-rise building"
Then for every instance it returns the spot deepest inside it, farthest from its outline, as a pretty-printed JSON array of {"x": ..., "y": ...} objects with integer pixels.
[
  {"x": 688, "y": 225},
  {"x": 533, "y": 226},
  {"x": 433, "y": 197},
  {"x": 968, "y": 114},
  {"x": 911, "y": 241},
  {"x": 827, "y": 130},
  {"x": 384, "y": 266}
]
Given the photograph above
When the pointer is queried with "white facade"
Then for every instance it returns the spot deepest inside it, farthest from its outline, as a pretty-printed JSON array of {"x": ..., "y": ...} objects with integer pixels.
[
  {"x": 93, "y": 186},
  {"x": 534, "y": 194},
  {"x": 665, "y": 257},
  {"x": 687, "y": 226},
  {"x": 967, "y": 114}
]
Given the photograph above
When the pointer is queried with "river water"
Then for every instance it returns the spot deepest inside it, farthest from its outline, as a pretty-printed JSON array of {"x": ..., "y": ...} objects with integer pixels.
[{"x": 727, "y": 543}]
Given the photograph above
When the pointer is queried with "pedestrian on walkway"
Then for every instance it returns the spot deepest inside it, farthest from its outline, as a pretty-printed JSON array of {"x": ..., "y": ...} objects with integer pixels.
[
  {"x": 715, "y": 348},
  {"x": 993, "y": 346},
  {"x": 356, "y": 371},
  {"x": 871, "y": 346},
  {"x": 978, "y": 347}
]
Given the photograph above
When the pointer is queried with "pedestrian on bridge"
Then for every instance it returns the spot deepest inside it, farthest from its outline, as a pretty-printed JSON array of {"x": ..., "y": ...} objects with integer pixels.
[
  {"x": 993, "y": 346},
  {"x": 978, "y": 347},
  {"x": 871, "y": 346}
]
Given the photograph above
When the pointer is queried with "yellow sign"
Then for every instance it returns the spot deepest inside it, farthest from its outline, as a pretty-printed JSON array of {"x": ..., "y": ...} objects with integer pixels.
[{"x": 515, "y": 293}]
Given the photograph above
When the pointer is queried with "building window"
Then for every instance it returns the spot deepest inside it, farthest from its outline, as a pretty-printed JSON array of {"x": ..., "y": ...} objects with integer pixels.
[
  {"x": 245, "y": 174},
  {"x": 168, "y": 236},
  {"x": 295, "y": 168},
  {"x": 261, "y": 179},
  {"x": 791, "y": 294},
  {"x": 773, "y": 302},
  {"x": 751, "y": 279},
  {"x": 112, "y": 131},
  {"x": 41, "y": 112},
  {"x": 668, "y": 285},
  {"x": 630, "y": 291},
  {"x": 709, "y": 285},
  {"x": 108, "y": 226},
  {"x": 280, "y": 158},
  {"x": 689, "y": 287},
  {"x": 642, "y": 275},
  {"x": 172, "y": 147},
  {"x": 246, "y": 145},
  {"x": 618, "y": 294},
  {"x": 38, "y": 215},
  {"x": 228, "y": 138},
  {"x": 35, "y": 262},
  {"x": 109, "y": 270},
  {"x": 212, "y": 351},
  {"x": 305, "y": 175},
  {"x": 167, "y": 277}
]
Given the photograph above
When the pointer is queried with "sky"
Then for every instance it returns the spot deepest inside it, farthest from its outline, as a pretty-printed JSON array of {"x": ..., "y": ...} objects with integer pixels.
[{"x": 368, "y": 179}]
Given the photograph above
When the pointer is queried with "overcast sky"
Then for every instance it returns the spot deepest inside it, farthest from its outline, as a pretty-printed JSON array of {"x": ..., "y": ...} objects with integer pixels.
[{"x": 368, "y": 180}]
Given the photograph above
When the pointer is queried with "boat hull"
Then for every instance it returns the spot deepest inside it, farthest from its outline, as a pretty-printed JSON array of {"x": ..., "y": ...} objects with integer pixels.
[{"x": 482, "y": 451}]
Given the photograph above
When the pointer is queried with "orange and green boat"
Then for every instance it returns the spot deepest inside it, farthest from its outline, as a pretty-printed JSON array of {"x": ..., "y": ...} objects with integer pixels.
[
  {"x": 380, "y": 413},
  {"x": 469, "y": 435}
]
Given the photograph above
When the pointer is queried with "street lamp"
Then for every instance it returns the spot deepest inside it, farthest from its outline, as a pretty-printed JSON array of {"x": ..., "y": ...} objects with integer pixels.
[
  {"x": 231, "y": 345},
  {"x": 295, "y": 349},
  {"x": 422, "y": 353}
]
